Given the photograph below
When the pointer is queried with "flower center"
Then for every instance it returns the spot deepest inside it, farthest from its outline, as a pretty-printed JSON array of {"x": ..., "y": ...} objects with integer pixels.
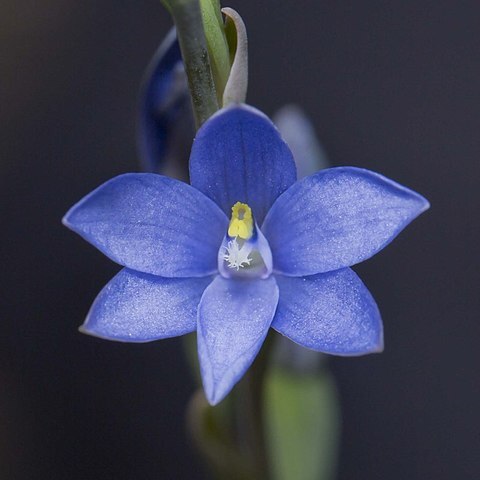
[
  {"x": 236, "y": 255},
  {"x": 245, "y": 251}
]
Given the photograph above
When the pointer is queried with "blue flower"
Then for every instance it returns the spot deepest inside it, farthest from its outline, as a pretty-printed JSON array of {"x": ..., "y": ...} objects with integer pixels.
[
  {"x": 165, "y": 124},
  {"x": 243, "y": 248}
]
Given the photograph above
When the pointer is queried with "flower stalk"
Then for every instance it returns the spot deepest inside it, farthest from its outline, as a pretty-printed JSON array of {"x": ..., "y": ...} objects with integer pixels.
[
  {"x": 231, "y": 437},
  {"x": 249, "y": 398},
  {"x": 187, "y": 16}
]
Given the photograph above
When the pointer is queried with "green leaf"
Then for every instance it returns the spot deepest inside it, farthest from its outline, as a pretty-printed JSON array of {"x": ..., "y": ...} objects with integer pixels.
[{"x": 302, "y": 425}]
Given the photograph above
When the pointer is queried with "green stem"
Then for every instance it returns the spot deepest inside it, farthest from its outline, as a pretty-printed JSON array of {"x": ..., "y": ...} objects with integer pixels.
[
  {"x": 191, "y": 36},
  {"x": 212, "y": 437},
  {"x": 250, "y": 407},
  {"x": 231, "y": 436}
]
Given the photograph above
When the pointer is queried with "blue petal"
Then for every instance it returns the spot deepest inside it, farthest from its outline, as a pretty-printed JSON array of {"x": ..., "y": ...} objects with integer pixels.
[
  {"x": 136, "y": 307},
  {"x": 233, "y": 320},
  {"x": 239, "y": 156},
  {"x": 337, "y": 218},
  {"x": 165, "y": 114},
  {"x": 152, "y": 224},
  {"x": 330, "y": 312}
]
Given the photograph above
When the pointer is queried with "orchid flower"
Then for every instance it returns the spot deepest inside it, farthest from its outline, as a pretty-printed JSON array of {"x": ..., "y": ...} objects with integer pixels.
[
  {"x": 243, "y": 248},
  {"x": 165, "y": 126}
]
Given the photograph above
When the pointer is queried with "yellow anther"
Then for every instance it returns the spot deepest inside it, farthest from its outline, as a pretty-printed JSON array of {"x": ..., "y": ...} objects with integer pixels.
[{"x": 241, "y": 223}]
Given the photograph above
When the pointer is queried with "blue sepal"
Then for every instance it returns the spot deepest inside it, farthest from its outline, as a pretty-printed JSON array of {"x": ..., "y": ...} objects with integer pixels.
[{"x": 239, "y": 156}]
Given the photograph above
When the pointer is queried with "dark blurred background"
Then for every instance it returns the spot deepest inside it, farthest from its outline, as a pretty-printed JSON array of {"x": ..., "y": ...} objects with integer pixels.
[{"x": 392, "y": 86}]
